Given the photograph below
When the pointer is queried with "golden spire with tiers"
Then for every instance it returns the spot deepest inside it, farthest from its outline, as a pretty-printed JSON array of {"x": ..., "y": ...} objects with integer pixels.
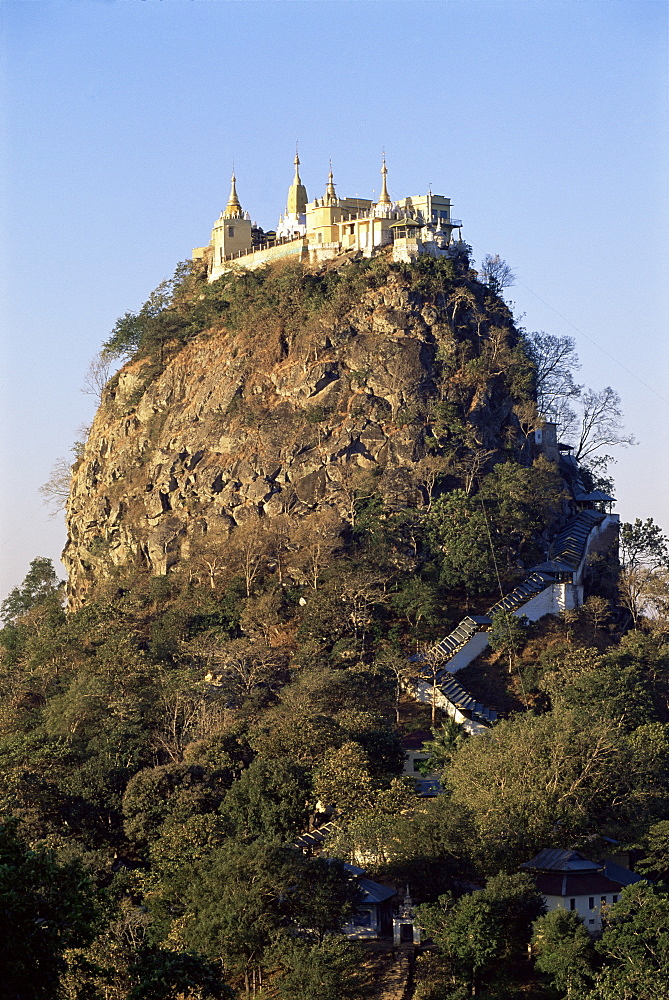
[
  {"x": 384, "y": 198},
  {"x": 233, "y": 210},
  {"x": 297, "y": 193},
  {"x": 330, "y": 193}
]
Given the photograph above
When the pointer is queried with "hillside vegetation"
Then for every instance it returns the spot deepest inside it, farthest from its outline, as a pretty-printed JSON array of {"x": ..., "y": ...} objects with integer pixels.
[
  {"x": 266, "y": 403},
  {"x": 294, "y": 482}
]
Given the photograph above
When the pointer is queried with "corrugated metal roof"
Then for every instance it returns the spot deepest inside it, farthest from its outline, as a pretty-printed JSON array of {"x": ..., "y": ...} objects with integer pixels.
[
  {"x": 374, "y": 892},
  {"x": 620, "y": 874},
  {"x": 315, "y": 837},
  {"x": 553, "y": 566},
  {"x": 554, "y": 860},
  {"x": 353, "y": 869},
  {"x": 597, "y": 496}
]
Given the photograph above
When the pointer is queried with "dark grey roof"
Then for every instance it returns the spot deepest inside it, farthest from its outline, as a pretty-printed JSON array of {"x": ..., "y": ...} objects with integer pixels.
[
  {"x": 620, "y": 874},
  {"x": 553, "y": 566},
  {"x": 533, "y": 584},
  {"x": 554, "y": 860},
  {"x": 597, "y": 496},
  {"x": 353, "y": 869},
  {"x": 374, "y": 892},
  {"x": 569, "y": 545}
]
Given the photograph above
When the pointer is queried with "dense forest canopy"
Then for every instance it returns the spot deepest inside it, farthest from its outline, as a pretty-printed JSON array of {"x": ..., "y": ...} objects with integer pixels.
[{"x": 164, "y": 742}]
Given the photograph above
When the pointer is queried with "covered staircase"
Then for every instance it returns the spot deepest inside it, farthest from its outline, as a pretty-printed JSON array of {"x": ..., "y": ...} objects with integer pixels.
[
  {"x": 468, "y": 627},
  {"x": 531, "y": 585},
  {"x": 570, "y": 545},
  {"x": 569, "y": 549},
  {"x": 463, "y": 701}
]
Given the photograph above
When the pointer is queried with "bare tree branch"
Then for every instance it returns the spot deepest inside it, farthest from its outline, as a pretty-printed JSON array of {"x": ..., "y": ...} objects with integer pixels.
[
  {"x": 56, "y": 489},
  {"x": 98, "y": 373},
  {"x": 601, "y": 423},
  {"x": 556, "y": 360},
  {"x": 496, "y": 273}
]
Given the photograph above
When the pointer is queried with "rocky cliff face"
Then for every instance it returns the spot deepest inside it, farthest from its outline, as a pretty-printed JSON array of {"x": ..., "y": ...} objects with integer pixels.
[{"x": 242, "y": 426}]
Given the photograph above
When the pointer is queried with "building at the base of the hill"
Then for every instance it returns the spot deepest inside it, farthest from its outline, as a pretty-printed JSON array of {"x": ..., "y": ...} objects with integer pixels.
[
  {"x": 568, "y": 881},
  {"x": 328, "y": 226}
]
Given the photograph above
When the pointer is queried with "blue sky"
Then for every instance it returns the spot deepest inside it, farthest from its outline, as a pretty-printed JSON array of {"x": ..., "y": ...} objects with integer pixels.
[{"x": 545, "y": 123}]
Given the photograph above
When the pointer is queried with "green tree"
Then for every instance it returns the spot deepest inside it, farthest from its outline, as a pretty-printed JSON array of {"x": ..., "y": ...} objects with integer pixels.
[
  {"x": 635, "y": 947},
  {"x": 655, "y": 863},
  {"x": 636, "y": 929},
  {"x": 271, "y": 798},
  {"x": 235, "y": 902},
  {"x": 478, "y": 536},
  {"x": 612, "y": 687},
  {"x": 325, "y": 896},
  {"x": 564, "y": 951},
  {"x": 186, "y": 842},
  {"x": 484, "y": 931},
  {"x": 515, "y": 904},
  {"x": 465, "y": 933},
  {"x": 647, "y": 800},
  {"x": 40, "y": 586},
  {"x": 327, "y": 970},
  {"x": 541, "y": 780},
  {"x": 458, "y": 533},
  {"x": 628, "y": 983},
  {"x": 169, "y": 795},
  {"x": 375, "y": 831},
  {"x": 445, "y": 742},
  {"x": 644, "y": 555},
  {"x": 520, "y": 502},
  {"x": 508, "y": 634},
  {"x": 343, "y": 779},
  {"x": 416, "y": 602},
  {"x": 168, "y": 975},
  {"x": 164, "y": 317},
  {"x": 45, "y": 908}
]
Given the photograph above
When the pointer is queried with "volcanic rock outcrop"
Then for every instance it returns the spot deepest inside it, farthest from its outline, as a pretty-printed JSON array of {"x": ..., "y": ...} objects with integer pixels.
[{"x": 244, "y": 425}]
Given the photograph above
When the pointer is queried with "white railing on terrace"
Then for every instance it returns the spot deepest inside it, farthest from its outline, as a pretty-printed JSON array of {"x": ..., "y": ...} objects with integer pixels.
[{"x": 263, "y": 247}]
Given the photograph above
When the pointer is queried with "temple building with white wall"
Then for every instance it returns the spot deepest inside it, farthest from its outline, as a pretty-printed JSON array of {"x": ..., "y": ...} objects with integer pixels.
[{"x": 327, "y": 226}]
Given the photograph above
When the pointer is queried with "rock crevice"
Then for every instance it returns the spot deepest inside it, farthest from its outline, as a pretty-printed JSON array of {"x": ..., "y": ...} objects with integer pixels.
[{"x": 232, "y": 430}]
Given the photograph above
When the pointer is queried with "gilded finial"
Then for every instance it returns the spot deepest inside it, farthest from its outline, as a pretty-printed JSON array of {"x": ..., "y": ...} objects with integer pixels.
[
  {"x": 330, "y": 193},
  {"x": 384, "y": 198},
  {"x": 297, "y": 193},
  {"x": 233, "y": 210}
]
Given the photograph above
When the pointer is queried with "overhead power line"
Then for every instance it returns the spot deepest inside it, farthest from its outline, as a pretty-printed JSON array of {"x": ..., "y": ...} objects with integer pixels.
[{"x": 587, "y": 337}]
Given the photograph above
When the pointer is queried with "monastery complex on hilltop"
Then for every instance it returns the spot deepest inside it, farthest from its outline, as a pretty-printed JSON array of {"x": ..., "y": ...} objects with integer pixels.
[{"x": 325, "y": 227}]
